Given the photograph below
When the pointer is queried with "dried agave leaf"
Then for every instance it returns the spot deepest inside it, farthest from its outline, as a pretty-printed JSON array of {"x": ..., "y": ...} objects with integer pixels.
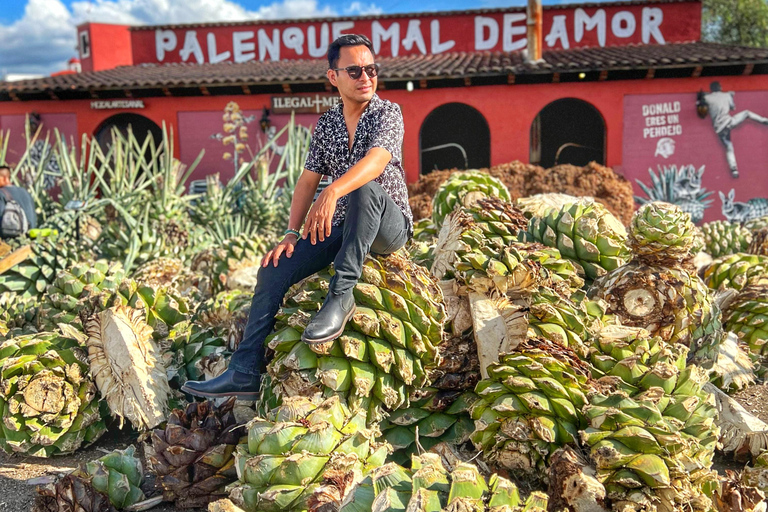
[{"x": 125, "y": 366}]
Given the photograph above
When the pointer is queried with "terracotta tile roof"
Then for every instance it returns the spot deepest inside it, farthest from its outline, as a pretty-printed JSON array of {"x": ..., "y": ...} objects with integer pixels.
[{"x": 422, "y": 67}]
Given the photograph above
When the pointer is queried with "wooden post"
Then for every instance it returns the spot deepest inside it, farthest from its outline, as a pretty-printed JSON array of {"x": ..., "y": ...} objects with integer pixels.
[{"x": 15, "y": 258}]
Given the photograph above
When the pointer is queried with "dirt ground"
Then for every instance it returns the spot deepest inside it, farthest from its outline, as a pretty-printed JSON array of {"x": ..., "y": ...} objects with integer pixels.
[{"x": 17, "y": 495}]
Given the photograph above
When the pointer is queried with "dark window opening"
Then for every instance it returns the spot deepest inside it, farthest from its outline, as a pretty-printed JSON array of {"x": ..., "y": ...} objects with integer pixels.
[
  {"x": 454, "y": 135},
  {"x": 568, "y": 131}
]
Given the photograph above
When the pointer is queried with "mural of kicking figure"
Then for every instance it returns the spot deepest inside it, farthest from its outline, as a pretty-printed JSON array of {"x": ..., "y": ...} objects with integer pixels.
[{"x": 719, "y": 105}]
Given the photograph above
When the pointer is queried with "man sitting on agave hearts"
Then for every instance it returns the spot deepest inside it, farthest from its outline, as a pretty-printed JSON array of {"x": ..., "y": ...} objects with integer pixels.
[{"x": 358, "y": 143}]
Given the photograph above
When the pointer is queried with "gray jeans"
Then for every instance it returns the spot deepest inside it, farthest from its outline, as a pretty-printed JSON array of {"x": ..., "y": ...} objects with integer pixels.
[{"x": 373, "y": 223}]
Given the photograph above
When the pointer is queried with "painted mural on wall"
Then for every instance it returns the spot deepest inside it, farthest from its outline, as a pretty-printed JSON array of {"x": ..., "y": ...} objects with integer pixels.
[
  {"x": 229, "y": 137},
  {"x": 40, "y": 154},
  {"x": 706, "y": 151}
]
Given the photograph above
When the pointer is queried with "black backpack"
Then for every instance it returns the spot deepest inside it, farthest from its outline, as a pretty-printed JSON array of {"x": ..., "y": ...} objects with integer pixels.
[{"x": 14, "y": 222}]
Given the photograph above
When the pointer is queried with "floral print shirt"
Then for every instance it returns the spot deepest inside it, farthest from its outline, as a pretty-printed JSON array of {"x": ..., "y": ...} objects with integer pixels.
[{"x": 380, "y": 125}]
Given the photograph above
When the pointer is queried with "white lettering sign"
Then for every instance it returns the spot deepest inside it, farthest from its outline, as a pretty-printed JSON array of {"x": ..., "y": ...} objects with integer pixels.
[
  {"x": 505, "y": 32},
  {"x": 483, "y": 23},
  {"x": 582, "y": 21},
  {"x": 114, "y": 104},
  {"x": 662, "y": 120},
  {"x": 380, "y": 35}
]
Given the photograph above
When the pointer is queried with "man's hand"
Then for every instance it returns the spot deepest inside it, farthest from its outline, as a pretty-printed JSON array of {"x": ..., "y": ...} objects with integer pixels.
[
  {"x": 285, "y": 246},
  {"x": 318, "y": 223}
]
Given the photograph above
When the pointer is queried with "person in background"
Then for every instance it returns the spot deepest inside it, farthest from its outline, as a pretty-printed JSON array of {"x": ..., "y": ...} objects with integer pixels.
[
  {"x": 719, "y": 105},
  {"x": 17, "y": 210},
  {"x": 358, "y": 143}
]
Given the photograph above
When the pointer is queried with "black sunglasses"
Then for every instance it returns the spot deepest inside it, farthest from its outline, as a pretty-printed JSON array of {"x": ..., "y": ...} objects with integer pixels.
[{"x": 355, "y": 72}]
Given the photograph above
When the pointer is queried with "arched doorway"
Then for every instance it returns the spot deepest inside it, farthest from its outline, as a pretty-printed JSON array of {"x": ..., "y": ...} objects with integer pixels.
[
  {"x": 454, "y": 135},
  {"x": 140, "y": 126},
  {"x": 568, "y": 131}
]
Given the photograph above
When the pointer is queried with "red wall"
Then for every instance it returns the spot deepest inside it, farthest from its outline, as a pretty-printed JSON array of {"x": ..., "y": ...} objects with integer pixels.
[
  {"x": 509, "y": 110},
  {"x": 110, "y": 46}
]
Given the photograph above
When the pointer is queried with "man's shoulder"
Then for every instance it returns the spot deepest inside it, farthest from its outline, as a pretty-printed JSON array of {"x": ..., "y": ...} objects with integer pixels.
[{"x": 383, "y": 105}]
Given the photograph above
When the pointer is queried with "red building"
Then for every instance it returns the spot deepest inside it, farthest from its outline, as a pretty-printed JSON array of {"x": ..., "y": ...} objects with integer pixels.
[{"x": 617, "y": 83}]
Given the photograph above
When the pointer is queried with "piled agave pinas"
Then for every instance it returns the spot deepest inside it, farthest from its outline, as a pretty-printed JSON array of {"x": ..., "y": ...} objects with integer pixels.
[
  {"x": 193, "y": 456},
  {"x": 465, "y": 189},
  {"x": 429, "y": 485},
  {"x": 658, "y": 291},
  {"x": 722, "y": 238},
  {"x": 383, "y": 354},
  {"x": 530, "y": 405},
  {"x": 651, "y": 429},
  {"x": 586, "y": 233},
  {"x": 103, "y": 485},
  {"x": 747, "y": 315},
  {"x": 48, "y": 402},
  {"x": 287, "y": 455},
  {"x": 33, "y": 276}
]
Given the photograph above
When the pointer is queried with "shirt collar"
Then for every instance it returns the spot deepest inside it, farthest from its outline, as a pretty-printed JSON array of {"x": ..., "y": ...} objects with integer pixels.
[{"x": 375, "y": 104}]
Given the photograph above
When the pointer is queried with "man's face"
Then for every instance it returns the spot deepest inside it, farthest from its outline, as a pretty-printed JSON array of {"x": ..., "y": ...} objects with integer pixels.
[
  {"x": 5, "y": 178},
  {"x": 360, "y": 90}
]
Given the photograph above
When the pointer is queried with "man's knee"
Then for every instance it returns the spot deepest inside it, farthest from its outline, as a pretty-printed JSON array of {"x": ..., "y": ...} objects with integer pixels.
[{"x": 369, "y": 194}]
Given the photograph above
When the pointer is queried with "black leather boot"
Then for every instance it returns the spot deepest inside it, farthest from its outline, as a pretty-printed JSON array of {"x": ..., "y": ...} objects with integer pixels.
[
  {"x": 230, "y": 383},
  {"x": 329, "y": 322}
]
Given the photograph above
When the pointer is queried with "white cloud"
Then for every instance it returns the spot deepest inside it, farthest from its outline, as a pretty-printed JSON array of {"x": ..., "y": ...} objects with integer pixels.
[
  {"x": 44, "y": 38},
  {"x": 358, "y": 8},
  {"x": 40, "y": 42}
]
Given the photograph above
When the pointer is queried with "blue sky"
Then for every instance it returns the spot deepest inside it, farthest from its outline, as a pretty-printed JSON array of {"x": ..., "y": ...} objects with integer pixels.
[{"x": 38, "y": 36}]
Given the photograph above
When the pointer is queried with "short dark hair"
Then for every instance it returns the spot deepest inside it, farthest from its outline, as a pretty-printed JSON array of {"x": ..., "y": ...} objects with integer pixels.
[
  {"x": 334, "y": 51},
  {"x": 5, "y": 169},
  {"x": 715, "y": 87}
]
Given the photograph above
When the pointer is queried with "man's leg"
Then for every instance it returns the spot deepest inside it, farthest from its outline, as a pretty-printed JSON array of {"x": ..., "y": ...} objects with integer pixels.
[
  {"x": 242, "y": 375},
  {"x": 730, "y": 154},
  {"x": 374, "y": 223},
  {"x": 747, "y": 114}
]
